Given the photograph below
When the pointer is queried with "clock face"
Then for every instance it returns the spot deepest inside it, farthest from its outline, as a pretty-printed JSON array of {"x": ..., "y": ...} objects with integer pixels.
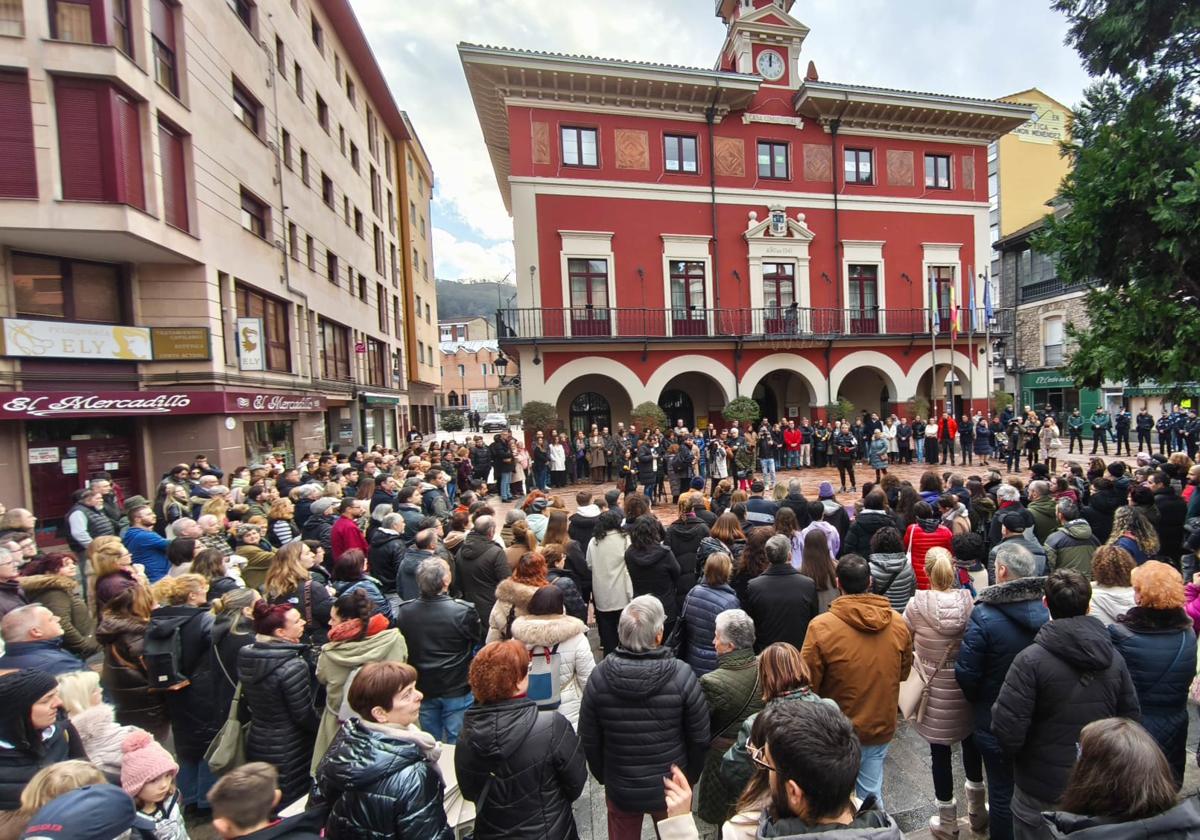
[{"x": 770, "y": 64}]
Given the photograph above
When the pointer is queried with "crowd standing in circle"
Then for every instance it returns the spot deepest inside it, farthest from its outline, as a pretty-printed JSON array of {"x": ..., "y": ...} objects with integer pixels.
[{"x": 363, "y": 638}]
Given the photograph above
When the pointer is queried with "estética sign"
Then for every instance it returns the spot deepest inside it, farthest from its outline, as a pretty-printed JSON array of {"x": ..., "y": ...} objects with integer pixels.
[
  {"x": 32, "y": 405},
  {"x": 31, "y": 339}
]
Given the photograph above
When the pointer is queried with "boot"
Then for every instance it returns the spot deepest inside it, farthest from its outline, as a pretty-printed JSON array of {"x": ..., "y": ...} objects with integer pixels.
[
  {"x": 977, "y": 810},
  {"x": 944, "y": 826}
]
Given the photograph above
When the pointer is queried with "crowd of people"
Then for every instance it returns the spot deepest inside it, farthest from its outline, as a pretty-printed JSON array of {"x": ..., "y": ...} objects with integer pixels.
[{"x": 360, "y": 638}]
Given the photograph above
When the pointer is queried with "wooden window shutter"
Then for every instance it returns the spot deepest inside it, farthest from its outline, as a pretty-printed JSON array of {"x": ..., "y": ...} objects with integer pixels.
[
  {"x": 175, "y": 206},
  {"x": 128, "y": 151},
  {"x": 81, "y": 157},
  {"x": 18, "y": 171}
]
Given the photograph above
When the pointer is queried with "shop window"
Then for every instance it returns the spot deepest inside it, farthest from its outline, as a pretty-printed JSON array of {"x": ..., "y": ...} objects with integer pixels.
[
  {"x": 269, "y": 437},
  {"x": 252, "y": 303},
  {"x": 71, "y": 290},
  {"x": 335, "y": 351}
]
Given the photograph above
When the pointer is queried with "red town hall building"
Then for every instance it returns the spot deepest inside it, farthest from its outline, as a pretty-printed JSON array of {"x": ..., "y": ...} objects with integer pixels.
[{"x": 686, "y": 236}]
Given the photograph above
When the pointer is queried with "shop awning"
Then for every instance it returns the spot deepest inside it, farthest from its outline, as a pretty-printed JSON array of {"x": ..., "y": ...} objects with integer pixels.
[
  {"x": 1153, "y": 389},
  {"x": 379, "y": 399}
]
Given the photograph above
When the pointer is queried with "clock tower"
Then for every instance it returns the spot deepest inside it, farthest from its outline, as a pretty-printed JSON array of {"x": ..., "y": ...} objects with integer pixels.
[{"x": 763, "y": 39}]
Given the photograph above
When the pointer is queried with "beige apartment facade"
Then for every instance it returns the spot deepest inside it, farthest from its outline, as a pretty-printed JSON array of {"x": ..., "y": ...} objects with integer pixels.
[{"x": 200, "y": 244}]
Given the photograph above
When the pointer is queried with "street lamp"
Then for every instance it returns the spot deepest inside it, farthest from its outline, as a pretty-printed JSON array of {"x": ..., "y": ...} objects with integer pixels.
[{"x": 502, "y": 370}]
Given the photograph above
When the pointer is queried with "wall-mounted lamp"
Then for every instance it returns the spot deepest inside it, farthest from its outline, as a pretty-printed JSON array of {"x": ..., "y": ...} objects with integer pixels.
[
  {"x": 825, "y": 276},
  {"x": 737, "y": 276},
  {"x": 904, "y": 276}
]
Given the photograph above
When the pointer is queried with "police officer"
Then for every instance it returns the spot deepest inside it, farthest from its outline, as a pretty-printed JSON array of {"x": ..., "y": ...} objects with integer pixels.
[
  {"x": 1101, "y": 423},
  {"x": 1121, "y": 423},
  {"x": 1163, "y": 426},
  {"x": 1145, "y": 423},
  {"x": 1075, "y": 430}
]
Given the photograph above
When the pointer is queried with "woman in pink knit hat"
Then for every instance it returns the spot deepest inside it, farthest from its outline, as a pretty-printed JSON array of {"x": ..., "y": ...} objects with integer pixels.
[{"x": 148, "y": 775}]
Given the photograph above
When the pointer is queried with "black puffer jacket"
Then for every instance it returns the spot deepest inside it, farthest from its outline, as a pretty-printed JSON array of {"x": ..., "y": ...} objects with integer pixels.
[
  {"x": 683, "y": 538},
  {"x": 641, "y": 713},
  {"x": 1070, "y": 676},
  {"x": 1179, "y": 823},
  {"x": 479, "y": 568},
  {"x": 319, "y": 528},
  {"x": 278, "y": 699},
  {"x": 864, "y": 526},
  {"x": 384, "y": 556},
  {"x": 655, "y": 571},
  {"x": 538, "y": 770},
  {"x": 380, "y": 787},
  {"x": 192, "y": 709},
  {"x": 125, "y": 679}
]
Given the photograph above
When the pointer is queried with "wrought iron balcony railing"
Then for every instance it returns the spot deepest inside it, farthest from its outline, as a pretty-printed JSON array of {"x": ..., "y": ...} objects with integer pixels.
[{"x": 590, "y": 323}]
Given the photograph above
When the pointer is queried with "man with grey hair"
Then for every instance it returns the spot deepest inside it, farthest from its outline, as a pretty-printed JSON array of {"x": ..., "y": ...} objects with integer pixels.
[
  {"x": 1073, "y": 544},
  {"x": 11, "y": 593},
  {"x": 1005, "y": 620},
  {"x": 386, "y": 552},
  {"x": 441, "y": 633},
  {"x": 1041, "y": 505},
  {"x": 781, "y": 600},
  {"x": 734, "y": 694},
  {"x": 796, "y": 503},
  {"x": 1008, "y": 499},
  {"x": 480, "y": 566},
  {"x": 185, "y": 528},
  {"x": 33, "y": 639},
  {"x": 642, "y": 712}
]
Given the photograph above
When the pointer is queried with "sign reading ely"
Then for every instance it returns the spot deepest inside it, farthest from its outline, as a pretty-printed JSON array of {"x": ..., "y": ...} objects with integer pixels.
[{"x": 32, "y": 339}]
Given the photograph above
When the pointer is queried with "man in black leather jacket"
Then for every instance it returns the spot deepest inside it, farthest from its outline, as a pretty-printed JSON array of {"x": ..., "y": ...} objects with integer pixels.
[{"x": 441, "y": 634}]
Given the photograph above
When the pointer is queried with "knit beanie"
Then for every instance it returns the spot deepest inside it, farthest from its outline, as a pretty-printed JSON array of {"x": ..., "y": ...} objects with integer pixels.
[
  {"x": 144, "y": 761},
  {"x": 18, "y": 692}
]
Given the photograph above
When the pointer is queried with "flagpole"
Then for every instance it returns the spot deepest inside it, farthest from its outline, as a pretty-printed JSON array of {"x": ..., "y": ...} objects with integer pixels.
[
  {"x": 970, "y": 341},
  {"x": 987, "y": 337}
]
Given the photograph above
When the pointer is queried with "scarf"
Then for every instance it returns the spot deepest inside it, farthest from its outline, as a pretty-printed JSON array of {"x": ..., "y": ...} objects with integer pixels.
[
  {"x": 352, "y": 629},
  {"x": 428, "y": 745}
]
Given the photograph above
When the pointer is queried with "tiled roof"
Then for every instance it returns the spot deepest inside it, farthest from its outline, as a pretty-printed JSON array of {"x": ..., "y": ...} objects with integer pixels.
[{"x": 619, "y": 62}]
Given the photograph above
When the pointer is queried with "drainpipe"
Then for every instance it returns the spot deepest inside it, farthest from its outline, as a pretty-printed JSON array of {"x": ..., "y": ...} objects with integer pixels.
[
  {"x": 709, "y": 118},
  {"x": 837, "y": 239}
]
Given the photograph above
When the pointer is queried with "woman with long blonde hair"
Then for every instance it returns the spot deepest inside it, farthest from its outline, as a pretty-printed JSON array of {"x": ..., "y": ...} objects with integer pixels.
[
  {"x": 111, "y": 571},
  {"x": 1133, "y": 532}
]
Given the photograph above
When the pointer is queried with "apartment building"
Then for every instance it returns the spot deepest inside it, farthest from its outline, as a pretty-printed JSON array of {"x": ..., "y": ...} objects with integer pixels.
[{"x": 200, "y": 244}]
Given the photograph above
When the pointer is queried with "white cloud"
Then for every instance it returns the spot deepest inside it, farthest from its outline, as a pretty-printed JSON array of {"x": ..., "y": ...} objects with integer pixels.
[
  {"x": 969, "y": 48},
  {"x": 459, "y": 259}
]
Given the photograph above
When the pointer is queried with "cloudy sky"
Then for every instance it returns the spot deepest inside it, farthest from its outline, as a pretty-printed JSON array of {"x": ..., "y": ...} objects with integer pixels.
[{"x": 968, "y": 47}]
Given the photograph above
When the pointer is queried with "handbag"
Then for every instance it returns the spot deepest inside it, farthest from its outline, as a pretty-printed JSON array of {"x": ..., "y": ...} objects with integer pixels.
[
  {"x": 914, "y": 691},
  {"x": 908, "y": 551},
  {"x": 677, "y": 641},
  {"x": 228, "y": 750}
]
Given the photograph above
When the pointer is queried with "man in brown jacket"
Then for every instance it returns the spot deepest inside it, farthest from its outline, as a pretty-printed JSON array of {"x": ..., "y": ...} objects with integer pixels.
[{"x": 857, "y": 655}]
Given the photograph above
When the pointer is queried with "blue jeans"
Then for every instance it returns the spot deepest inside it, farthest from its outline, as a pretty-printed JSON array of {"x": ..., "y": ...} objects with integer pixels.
[
  {"x": 921, "y": 448},
  {"x": 999, "y": 771},
  {"x": 648, "y": 490},
  {"x": 792, "y": 459},
  {"x": 442, "y": 717},
  {"x": 506, "y": 486},
  {"x": 870, "y": 772},
  {"x": 194, "y": 781},
  {"x": 768, "y": 468}
]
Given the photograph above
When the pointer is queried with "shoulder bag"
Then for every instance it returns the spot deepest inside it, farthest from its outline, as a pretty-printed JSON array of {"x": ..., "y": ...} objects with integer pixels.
[
  {"x": 914, "y": 691},
  {"x": 228, "y": 750}
]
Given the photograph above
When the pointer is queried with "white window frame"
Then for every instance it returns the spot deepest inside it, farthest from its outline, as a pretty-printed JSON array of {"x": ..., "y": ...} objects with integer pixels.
[
  {"x": 587, "y": 245},
  {"x": 863, "y": 252},
  {"x": 692, "y": 248}
]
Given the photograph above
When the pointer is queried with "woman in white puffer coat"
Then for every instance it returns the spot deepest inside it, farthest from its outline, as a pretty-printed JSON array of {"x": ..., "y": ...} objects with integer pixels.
[
  {"x": 547, "y": 626},
  {"x": 93, "y": 719}
]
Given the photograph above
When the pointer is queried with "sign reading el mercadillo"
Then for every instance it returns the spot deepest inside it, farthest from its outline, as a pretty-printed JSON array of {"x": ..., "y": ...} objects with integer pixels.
[{"x": 35, "y": 405}]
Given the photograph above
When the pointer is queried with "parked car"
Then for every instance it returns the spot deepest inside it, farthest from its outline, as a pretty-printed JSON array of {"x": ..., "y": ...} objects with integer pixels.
[{"x": 494, "y": 422}]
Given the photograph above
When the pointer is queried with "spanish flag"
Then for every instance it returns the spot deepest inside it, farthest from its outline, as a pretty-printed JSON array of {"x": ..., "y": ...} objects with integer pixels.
[{"x": 953, "y": 313}]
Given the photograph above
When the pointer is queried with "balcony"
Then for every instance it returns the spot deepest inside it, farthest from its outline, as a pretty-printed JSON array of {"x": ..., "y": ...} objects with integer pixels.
[{"x": 591, "y": 324}]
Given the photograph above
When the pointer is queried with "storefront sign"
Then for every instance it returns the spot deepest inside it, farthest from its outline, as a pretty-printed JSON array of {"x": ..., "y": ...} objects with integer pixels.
[
  {"x": 180, "y": 344},
  {"x": 250, "y": 344},
  {"x": 31, "y": 405},
  {"x": 379, "y": 399},
  {"x": 1047, "y": 379},
  {"x": 103, "y": 342},
  {"x": 43, "y": 454},
  {"x": 67, "y": 340}
]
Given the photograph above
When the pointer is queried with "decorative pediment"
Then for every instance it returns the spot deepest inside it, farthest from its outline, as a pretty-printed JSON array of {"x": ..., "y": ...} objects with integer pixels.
[{"x": 778, "y": 225}]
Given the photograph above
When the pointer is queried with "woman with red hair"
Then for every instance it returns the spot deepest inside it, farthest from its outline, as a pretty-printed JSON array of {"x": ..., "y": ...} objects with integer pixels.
[
  {"x": 514, "y": 593},
  {"x": 278, "y": 691},
  {"x": 522, "y": 768}
]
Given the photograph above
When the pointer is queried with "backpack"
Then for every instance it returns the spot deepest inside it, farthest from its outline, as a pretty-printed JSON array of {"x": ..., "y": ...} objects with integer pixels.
[
  {"x": 543, "y": 676},
  {"x": 162, "y": 654}
]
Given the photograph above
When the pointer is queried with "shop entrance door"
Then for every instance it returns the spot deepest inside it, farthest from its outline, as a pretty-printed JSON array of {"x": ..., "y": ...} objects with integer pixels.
[{"x": 64, "y": 454}]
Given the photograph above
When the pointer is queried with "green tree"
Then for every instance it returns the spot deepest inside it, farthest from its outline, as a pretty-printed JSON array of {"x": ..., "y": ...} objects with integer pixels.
[
  {"x": 1130, "y": 230},
  {"x": 843, "y": 409},
  {"x": 539, "y": 415},
  {"x": 744, "y": 410},
  {"x": 452, "y": 421},
  {"x": 1001, "y": 400},
  {"x": 649, "y": 415},
  {"x": 918, "y": 407}
]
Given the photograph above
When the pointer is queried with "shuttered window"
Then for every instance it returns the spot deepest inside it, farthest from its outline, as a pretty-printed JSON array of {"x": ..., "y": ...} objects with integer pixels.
[
  {"x": 18, "y": 173},
  {"x": 128, "y": 152},
  {"x": 174, "y": 177},
  {"x": 162, "y": 35},
  {"x": 100, "y": 143},
  {"x": 80, "y": 107}
]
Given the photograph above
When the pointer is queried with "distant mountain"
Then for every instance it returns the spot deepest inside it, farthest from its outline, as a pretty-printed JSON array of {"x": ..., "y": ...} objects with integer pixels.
[{"x": 464, "y": 300}]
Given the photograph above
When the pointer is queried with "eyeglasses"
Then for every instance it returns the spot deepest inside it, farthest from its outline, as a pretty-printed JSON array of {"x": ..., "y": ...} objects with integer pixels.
[{"x": 756, "y": 756}]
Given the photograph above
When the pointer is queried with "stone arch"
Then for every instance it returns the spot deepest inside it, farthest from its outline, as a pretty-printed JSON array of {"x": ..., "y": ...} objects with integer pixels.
[
  {"x": 674, "y": 367},
  {"x": 805, "y": 368},
  {"x": 919, "y": 369},
  {"x": 606, "y": 388},
  {"x": 553, "y": 387},
  {"x": 885, "y": 366}
]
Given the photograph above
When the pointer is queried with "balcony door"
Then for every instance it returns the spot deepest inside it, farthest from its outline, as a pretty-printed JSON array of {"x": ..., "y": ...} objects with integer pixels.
[
  {"x": 779, "y": 297},
  {"x": 863, "y": 300},
  {"x": 687, "y": 297},
  {"x": 589, "y": 302},
  {"x": 943, "y": 282}
]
